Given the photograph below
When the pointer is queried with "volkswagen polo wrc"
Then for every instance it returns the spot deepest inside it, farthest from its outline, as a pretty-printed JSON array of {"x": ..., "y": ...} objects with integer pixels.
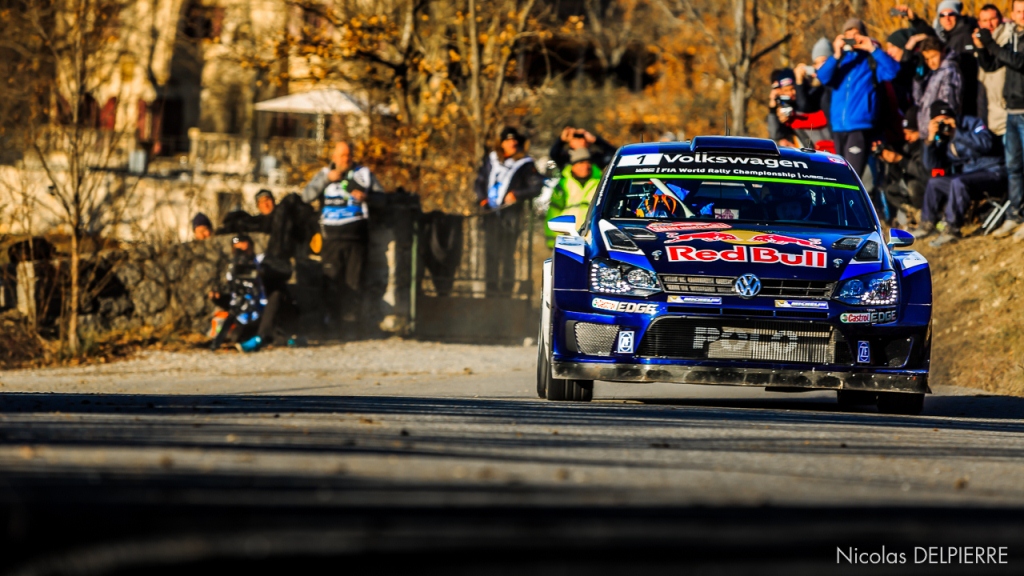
[{"x": 729, "y": 261}]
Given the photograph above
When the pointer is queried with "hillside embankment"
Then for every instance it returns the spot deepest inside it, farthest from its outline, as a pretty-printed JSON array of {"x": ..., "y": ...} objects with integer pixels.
[{"x": 978, "y": 319}]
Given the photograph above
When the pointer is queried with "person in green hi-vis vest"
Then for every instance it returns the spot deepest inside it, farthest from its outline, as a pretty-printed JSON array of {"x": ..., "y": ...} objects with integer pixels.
[{"x": 575, "y": 190}]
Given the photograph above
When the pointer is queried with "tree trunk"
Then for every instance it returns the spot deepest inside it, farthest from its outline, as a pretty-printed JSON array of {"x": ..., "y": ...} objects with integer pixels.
[
  {"x": 738, "y": 105},
  {"x": 73, "y": 300},
  {"x": 475, "y": 96}
]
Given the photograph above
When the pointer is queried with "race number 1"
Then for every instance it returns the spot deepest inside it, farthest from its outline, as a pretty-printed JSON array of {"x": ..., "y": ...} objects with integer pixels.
[{"x": 625, "y": 342}]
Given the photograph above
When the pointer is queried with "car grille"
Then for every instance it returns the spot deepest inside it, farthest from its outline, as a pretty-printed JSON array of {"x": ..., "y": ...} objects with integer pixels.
[
  {"x": 739, "y": 339},
  {"x": 770, "y": 287},
  {"x": 595, "y": 339}
]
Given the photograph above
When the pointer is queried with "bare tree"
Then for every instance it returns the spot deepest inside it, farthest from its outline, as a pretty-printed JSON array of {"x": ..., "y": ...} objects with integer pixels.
[{"x": 79, "y": 47}]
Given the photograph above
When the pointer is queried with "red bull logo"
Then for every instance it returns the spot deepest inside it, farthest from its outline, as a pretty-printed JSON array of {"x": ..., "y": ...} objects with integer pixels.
[
  {"x": 745, "y": 237},
  {"x": 751, "y": 254},
  {"x": 659, "y": 227}
]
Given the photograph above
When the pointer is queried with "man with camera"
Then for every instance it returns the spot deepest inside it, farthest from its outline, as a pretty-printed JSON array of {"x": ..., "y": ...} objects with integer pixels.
[
  {"x": 969, "y": 167},
  {"x": 601, "y": 151},
  {"x": 854, "y": 71},
  {"x": 903, "y": 171},
  {"x": 786, "y": 120},
  {"x": 1010, "y": 56}
]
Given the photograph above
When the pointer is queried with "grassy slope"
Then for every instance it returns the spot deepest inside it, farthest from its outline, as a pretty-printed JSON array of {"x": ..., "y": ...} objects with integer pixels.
[{"x": 978, "y": 323}]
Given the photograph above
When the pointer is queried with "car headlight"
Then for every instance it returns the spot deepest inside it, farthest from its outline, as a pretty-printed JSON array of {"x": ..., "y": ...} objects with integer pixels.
[
  {"x": 870, "y": 290},
  {"x": 610, "y": 277}
]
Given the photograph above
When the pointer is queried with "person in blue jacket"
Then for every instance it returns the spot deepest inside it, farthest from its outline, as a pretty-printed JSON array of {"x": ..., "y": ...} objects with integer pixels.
[
  {"x": 971, "y": 159},
  {"x": 854, "y": 71}
]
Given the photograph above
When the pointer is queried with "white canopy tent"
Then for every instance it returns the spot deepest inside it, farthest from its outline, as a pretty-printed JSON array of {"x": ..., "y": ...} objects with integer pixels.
[{"x": 323, "y": 102}]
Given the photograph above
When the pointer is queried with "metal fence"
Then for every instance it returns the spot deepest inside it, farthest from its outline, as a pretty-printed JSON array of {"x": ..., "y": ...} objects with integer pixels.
[{"x": 487, "y": 255}]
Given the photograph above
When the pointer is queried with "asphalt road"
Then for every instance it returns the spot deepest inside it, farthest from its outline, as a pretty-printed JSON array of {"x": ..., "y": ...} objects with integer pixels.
[{"x": 449, "y": 460}]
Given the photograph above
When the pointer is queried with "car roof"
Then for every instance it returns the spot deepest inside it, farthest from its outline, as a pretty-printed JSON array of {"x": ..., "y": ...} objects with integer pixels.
[{"x": 723, "y": 144}]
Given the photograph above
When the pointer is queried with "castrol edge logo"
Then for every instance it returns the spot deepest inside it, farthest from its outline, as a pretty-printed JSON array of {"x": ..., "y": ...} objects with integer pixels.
[{"x": 750, "y": 254}]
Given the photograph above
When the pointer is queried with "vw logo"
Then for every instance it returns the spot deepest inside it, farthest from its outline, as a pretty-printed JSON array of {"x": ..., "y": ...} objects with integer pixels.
[{"x": 747, "y": 286}]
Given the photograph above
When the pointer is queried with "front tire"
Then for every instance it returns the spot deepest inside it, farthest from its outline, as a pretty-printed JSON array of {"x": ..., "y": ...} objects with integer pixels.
[
  {"x": 559, "y": 389},
  {"x": 543, "y": 369},
  {"x": 900, "y": 403}
]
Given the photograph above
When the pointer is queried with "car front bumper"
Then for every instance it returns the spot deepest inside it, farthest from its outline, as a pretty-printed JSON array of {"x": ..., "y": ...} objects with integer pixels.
[{"x": 865, "y": 379}]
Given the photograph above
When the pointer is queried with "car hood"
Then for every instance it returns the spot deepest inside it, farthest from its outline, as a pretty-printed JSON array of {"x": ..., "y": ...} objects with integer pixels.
[{"x": 768, "y": 251}]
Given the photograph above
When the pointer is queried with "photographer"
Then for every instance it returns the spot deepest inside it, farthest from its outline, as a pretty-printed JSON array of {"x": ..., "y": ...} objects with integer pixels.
[
  {"x": 970, "y": 165},
  {"x": 901, "y": 46},
  {"x": 940, "y": 83},
  {"x": 854, "y": 71},
  {"x": 809, "y": 128},
  {"x": 601, "y": 151},
  {"x": 903, "y": 171}
]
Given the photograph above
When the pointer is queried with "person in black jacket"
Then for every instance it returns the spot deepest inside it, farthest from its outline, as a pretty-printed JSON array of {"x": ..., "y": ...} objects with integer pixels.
[
  {"x": 507, "y": 178},
  {"x": 972, "y": 166},
  {"x": 572, "y": 138},
  {"x": 955, "y": 31},
  {"x": 1010, "y": 56},
  {"x": 903, "y": 171}
]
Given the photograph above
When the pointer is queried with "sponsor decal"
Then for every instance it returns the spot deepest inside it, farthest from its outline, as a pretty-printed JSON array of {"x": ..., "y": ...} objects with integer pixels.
[
  {"x": 625, "y": 343},
  {"x": 631, "y": 307},
  {"x": 801, "y": 304},
  {"x": 706, "y": 158},
  {"x": 883, "y": 317},
  {"x": 682, "y": 226},
  {"x": 838, "y": 262},
  {"x": 732, "y": 342},
  {"x": 713, "y": 300},
  {"x": 726, "y": 214},
  {"x": 750, "y": 254},
  {"x": 744, "y": 237},
  {"x": 836, "y": 160},
  {"x": 863, "y": 352}
]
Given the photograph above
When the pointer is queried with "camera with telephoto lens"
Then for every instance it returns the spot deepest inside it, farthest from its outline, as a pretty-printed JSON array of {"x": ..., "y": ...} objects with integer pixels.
[{"x": 944, "y": 130}]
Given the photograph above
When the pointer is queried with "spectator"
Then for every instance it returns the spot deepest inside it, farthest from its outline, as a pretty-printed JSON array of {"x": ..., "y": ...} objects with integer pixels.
[
  {"x": 900, "y": 45},
  {"x": 940, "y": 83},
  {"x": 345, "y": 192},
  {"x": 904, "y": 174},
  {"x": 808, "y": 128},
  {"x": 506, "y": 178},
  {"x": 574, "y": 191},
  {"x": 855, "y": 97},
  {"x": 966, "y": 147},
  {"x": 202, "y": 228},
  {"x": 811, "y": 94},
  {"x": 570, "y": 139},
  {"x": 241, "y": 222},
  {"x": 241, "y": 297},
  {"x": 991, "y": 83},
  {"x": 955, "y": 30},
  {"x": 1011, "y": 57}
]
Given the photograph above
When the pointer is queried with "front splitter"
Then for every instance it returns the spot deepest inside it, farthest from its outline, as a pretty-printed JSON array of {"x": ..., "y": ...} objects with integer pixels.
[{"x": 867, "y": 380}]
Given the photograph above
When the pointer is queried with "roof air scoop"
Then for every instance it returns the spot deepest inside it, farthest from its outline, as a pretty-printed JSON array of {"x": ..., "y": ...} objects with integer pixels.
[{"x": 735, "y": 145}]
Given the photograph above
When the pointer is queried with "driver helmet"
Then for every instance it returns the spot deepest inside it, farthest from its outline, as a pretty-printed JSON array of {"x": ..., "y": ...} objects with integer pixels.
[
  {"x": 657, "y": 205},
  {"x": 789, "y": 202}
]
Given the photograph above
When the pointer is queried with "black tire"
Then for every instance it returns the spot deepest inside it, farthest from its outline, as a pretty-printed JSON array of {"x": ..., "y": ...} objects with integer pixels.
[
  {"x": 854, "y": 398},
  {"x": 560, "y": 389},
  {"x": 543, "y": 370},
  {"x": 900, "y": 403}
]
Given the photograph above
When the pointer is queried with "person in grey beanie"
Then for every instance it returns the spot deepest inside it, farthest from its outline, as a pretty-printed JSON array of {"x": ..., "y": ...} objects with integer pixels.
[{"x": 810, "y": 92}]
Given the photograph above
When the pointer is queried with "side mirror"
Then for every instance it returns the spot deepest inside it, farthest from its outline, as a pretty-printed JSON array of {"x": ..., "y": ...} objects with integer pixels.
[
  {"x": 900, "y": 238},
  {"x": 564, "y": 225}
]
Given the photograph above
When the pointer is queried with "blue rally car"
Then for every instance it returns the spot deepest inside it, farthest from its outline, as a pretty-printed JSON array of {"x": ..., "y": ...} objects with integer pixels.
[{"x": 726, "y": 260}]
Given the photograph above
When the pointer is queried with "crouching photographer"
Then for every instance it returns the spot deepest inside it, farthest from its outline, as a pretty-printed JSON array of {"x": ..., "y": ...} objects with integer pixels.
[
  {"x": 904, "y": 175},
  {"x": 968, "y": 165}
]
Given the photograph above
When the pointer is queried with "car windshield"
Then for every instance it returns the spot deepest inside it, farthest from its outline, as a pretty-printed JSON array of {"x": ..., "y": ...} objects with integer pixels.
[{"x": 791, "y": 192}]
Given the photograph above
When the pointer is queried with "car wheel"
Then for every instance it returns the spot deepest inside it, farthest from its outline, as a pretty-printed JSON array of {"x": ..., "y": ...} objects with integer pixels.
[
  {"x": 543, "y": 370},
  {"x": 853, "y": 398},
  {"x": 570, "y": 390},
  {"x": 900, "y": 403}
]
